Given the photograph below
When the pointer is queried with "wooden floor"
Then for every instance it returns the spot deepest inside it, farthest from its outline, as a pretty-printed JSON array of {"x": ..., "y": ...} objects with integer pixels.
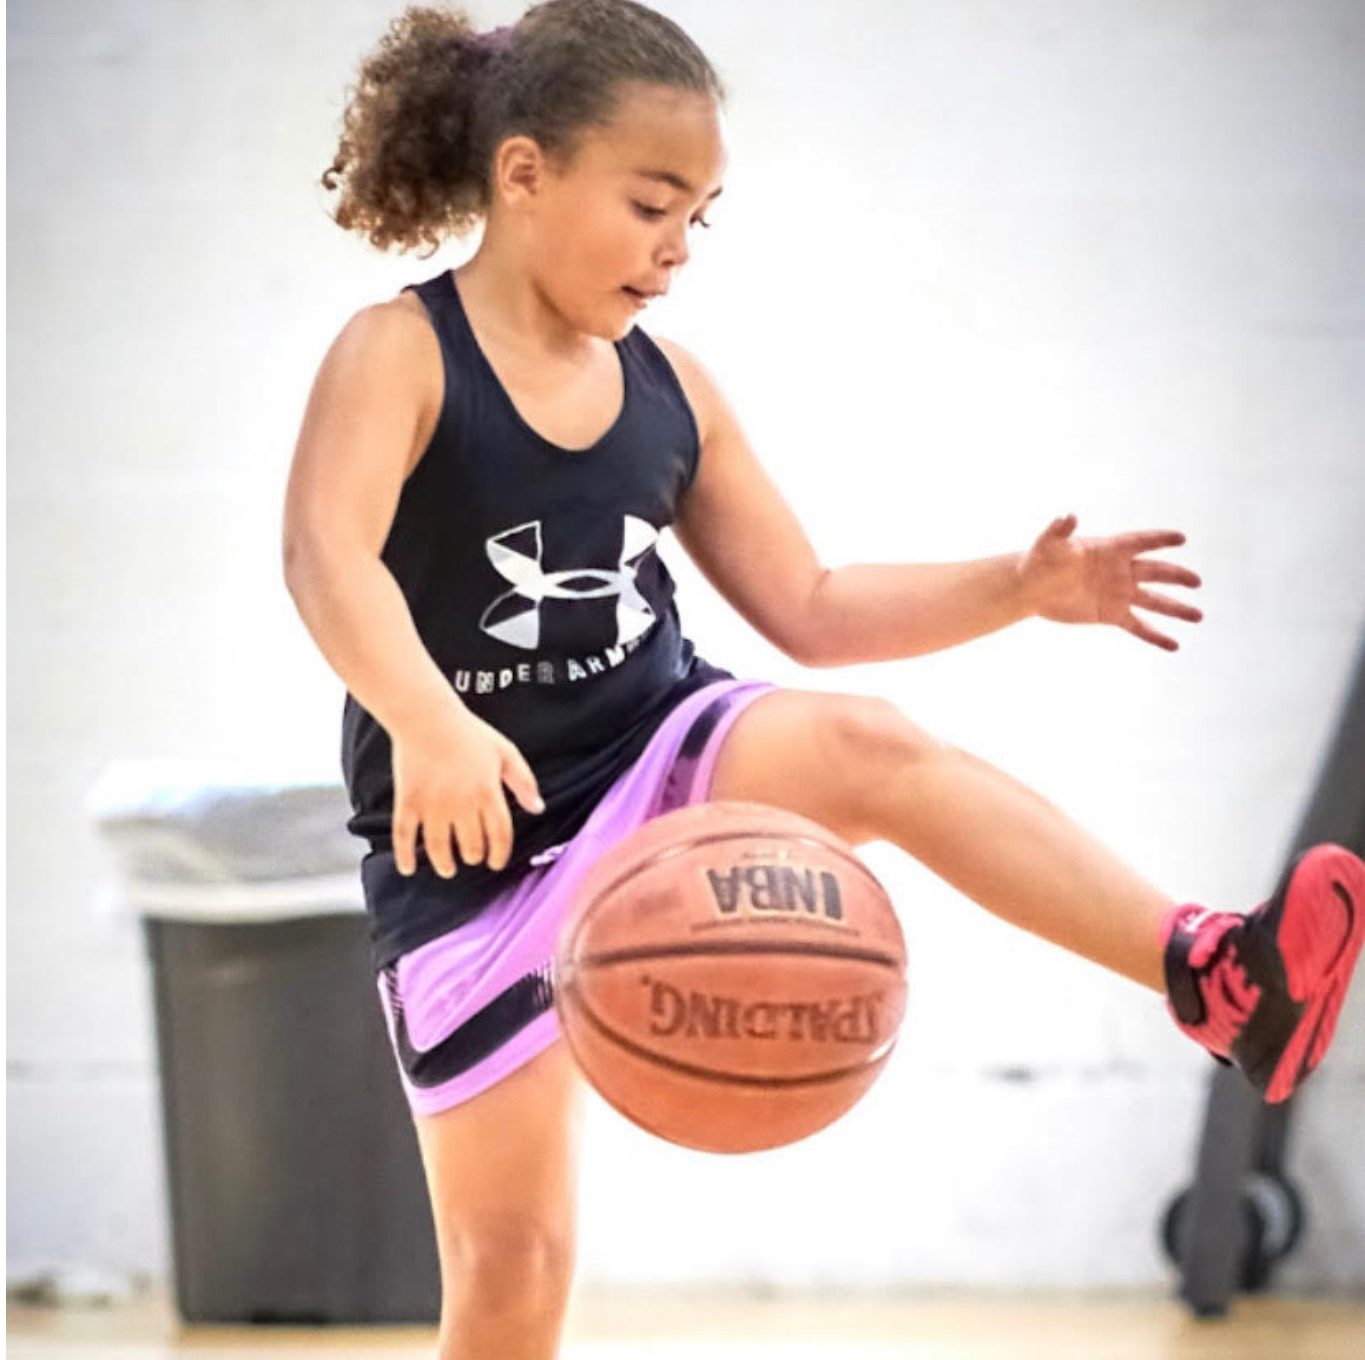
[{"x": 961, "y": 1326}]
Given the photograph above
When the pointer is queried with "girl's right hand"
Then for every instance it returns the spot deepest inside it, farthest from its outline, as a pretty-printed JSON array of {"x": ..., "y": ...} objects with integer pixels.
[{"x": 448, "y": 774}]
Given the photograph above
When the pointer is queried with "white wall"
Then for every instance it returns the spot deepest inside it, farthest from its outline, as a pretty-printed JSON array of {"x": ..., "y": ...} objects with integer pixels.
[{"x": 976, "y": 265}]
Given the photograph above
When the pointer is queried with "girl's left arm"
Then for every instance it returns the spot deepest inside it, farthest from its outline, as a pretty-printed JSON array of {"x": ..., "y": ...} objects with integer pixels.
[{"x": 746, "y": 541}]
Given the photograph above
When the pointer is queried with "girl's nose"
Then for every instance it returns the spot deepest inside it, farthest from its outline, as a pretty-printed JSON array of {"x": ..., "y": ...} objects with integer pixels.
[{"x": 675, "y": 248}]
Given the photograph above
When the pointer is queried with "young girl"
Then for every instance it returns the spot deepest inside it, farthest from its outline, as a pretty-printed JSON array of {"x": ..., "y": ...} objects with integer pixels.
[{"x": 485, "y": 465}]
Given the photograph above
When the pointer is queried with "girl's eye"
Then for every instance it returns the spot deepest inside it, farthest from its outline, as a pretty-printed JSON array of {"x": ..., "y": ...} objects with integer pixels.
[{"x": 651, "y": 214}]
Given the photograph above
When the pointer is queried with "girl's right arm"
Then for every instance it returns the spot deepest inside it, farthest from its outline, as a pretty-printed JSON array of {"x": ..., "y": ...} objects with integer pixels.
[{"x": 371, "y": 409}]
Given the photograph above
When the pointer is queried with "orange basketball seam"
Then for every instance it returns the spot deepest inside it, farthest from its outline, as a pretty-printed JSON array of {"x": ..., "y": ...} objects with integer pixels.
[{"x": 735, "y": 947}]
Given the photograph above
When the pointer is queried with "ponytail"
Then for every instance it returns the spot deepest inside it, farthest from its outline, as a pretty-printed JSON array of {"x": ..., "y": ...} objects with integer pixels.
[{"x": 435, "y": 98}]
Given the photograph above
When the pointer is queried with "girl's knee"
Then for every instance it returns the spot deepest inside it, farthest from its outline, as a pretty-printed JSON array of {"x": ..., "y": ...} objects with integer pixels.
[
  {"x": 505, "y": 1246},
  {"x": 872, "y": 733},
  {"x": 873, "y": 743},
  {"x": 501, "y": 1170},
  {"x": 510, "y": 1271}
]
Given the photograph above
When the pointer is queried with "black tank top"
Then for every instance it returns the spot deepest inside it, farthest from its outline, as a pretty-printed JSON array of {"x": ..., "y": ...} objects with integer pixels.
[{"x": 533, "y": 578}]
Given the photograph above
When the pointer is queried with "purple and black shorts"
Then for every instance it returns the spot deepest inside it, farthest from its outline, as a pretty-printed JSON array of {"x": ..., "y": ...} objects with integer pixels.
[{"x": 469, "y": 1007}]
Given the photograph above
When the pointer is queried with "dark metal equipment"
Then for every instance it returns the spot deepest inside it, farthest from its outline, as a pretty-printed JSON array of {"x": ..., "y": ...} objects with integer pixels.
[{"x": 1243, "y": 1215}]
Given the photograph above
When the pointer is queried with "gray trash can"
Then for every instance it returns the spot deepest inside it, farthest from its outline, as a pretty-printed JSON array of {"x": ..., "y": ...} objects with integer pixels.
[{"x": 295, "y": 1183}]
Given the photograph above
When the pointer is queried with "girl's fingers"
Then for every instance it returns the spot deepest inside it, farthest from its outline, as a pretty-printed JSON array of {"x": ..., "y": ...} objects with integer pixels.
[
  {"x": 1165, "y": 571},
  {"x": 1139, "y": 629},
  {"x": 469, "y": 835},
  {"x": 1149, "y": 599},
  {"x": 497, "y": 828},
  {"x": 436, "y": 838},
  {"x": 405, "y": 839},
  {"x": 1147, "y": 539}
]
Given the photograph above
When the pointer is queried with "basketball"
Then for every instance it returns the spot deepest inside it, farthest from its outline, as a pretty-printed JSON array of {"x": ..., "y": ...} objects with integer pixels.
[{"x": 730, "y": 976}]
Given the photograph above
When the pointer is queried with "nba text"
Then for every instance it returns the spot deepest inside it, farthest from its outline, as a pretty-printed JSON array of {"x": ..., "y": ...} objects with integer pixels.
[{"x": 774, "y": 888}]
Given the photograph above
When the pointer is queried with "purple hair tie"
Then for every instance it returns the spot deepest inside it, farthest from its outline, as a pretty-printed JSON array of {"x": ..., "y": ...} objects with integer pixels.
[{"x": 496, "y": 39}]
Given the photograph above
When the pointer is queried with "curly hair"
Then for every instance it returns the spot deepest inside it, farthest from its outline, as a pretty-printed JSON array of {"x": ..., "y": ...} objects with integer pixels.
[{"x": 434, "y": 101}]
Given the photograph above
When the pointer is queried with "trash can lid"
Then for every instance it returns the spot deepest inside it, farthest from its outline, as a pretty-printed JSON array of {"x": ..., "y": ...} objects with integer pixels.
[{"x": 257, "y": 839}]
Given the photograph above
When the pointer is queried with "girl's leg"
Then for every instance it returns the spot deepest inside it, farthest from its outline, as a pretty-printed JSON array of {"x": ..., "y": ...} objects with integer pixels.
[
  {"x": 1012, "y": 851},
  {"x": 501, "y": 1170},
  {"x": 1260, "y": 990},
  {"x": 858, "y": 765}
]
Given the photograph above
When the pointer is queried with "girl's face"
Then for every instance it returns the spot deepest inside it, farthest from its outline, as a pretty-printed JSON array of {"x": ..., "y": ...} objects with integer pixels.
[{"x": 623, "y": 216}]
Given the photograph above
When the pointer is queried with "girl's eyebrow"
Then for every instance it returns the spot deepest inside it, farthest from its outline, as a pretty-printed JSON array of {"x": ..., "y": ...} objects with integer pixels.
[{"x": 678, "y": 182}]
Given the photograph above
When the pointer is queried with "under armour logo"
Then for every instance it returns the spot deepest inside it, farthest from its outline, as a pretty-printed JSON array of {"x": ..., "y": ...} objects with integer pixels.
[{"x": 515, "y": 553}]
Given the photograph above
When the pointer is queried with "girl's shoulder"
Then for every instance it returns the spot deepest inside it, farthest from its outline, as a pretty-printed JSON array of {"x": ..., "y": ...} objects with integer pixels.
[
  {"x": 404, "y": 352},
  {"x": 697, "y": 384},
  {"x": 407, "y": 301},
  {"x": 419, "y": 329}
]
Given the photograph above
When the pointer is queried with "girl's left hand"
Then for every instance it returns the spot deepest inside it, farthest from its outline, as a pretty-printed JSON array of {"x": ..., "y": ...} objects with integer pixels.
[{"x": 1099, "y": 580}]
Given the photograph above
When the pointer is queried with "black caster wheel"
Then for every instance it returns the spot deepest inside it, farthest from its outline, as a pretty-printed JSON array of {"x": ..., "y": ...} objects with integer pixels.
[{"x": 1273, "y": 1217}]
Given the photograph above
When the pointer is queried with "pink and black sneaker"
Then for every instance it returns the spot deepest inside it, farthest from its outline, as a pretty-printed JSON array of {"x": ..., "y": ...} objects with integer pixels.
[{"x": 1263, "y": 990}]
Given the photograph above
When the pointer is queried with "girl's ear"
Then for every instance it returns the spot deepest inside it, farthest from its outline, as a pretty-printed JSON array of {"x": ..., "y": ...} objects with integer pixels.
[{"x": 520, "y": 170}]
